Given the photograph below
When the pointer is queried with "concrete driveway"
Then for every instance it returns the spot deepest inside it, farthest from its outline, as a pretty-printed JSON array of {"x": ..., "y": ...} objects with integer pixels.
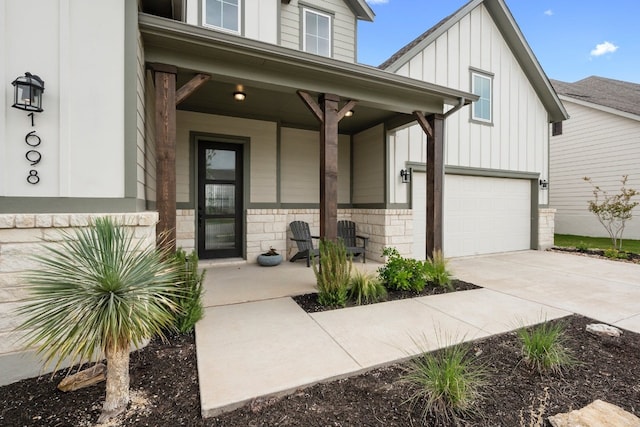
[{"x": 602, "y": 289}]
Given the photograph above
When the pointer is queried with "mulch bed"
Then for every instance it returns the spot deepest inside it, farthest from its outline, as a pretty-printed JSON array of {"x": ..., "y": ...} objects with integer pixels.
[
  {"x": 597, "y": 253},
  {"x": 164, "y": 386},
  {"x": 309, "y": 302}
]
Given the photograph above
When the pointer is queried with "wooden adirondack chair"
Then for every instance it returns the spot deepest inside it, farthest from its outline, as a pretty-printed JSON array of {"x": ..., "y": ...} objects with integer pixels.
[
  {"x": 303, "y": 238},
  {"x": 347, "y": 232}
]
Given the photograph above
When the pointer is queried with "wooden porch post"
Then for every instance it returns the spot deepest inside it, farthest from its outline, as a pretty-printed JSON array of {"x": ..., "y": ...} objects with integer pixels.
[
  {"x": 329, "y": 114},
  {"x": 165, "y": 127},
  {"x": 433, "y": 126}
]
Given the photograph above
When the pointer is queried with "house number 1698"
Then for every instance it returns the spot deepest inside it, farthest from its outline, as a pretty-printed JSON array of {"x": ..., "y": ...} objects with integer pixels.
[{"x": 33, "y": 156}]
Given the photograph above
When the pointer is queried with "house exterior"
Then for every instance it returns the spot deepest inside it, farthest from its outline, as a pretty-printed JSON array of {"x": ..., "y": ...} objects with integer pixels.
[
  {"x": 226, "y": 120},
  {"x": 601, "y": 140}
]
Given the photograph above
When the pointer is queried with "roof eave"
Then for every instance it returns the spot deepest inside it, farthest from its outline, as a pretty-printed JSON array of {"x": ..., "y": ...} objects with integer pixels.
[
  {"x": 305, "y": 71},
  {"x": 361, "y": 9}
]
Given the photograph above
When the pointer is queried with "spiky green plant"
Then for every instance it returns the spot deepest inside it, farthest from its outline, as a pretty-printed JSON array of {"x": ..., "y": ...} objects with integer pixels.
[
  {"x": 543, "y": 347},
  {"x": 446, "y": 383},
  {"x": 437, "y": 270},
  {"x": 333, "y": 272},
  {"x": 366, "y": 288},
  {"x": 96, "y": 294},
  {"x": 190, "y": 299}
]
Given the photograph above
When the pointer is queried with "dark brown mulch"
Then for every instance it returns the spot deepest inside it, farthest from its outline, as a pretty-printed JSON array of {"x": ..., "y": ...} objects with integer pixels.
[
  {"x": 598, "y": 253},
  {"x": 165, "y": 386},
  {"x": 309, "y": 302}
]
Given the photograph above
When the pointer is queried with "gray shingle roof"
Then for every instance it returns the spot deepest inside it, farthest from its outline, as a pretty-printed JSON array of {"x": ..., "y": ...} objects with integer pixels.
[{"x": 616, "y": 94}]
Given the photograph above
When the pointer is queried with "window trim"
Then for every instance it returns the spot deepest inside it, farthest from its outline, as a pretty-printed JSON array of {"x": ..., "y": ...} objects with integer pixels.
[
  {"x": 489, "y": 77},
  {"x": 303, "y": 33},
  {"x": 203, "y": 4}
]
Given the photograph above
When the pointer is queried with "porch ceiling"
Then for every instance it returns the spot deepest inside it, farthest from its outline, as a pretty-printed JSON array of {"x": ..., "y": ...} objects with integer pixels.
[{"x": 270, "y": 75}]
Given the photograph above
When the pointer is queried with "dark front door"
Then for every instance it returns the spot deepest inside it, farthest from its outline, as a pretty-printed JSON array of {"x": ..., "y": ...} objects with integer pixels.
[{"x": 219, "y": 200}]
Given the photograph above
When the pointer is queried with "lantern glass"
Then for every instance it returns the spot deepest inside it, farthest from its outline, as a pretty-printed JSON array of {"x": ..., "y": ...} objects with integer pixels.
[{"x": 28, "y": 93}]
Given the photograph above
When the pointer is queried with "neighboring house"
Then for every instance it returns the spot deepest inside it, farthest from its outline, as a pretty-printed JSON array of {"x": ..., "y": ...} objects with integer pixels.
[
  {"x": 227, "y": 120},
  {"x": 601, "y": 140}
]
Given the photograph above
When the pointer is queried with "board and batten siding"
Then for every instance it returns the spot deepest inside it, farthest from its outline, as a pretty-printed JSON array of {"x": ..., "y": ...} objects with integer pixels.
[
  {"x": 602, "y": 146},
  {"x": 82, "y": 131},
  {"x": 517, "y": 140},
  {"x": 368, "y": 166},
  {"x": 343, "y": 25},
  {"x": 262, "y": 136},
  {"x": 300, "y": 166}
]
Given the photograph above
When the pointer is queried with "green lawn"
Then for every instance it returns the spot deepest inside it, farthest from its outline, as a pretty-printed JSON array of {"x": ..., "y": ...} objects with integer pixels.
[{"x": 567, "y": 240}]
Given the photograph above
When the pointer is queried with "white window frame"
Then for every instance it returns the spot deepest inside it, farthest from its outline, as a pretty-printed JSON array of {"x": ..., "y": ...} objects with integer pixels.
[
  {"x": 205, "y": 24},
  {"x": 489, "y": 78},
  {"x": 306, "y": 10}
]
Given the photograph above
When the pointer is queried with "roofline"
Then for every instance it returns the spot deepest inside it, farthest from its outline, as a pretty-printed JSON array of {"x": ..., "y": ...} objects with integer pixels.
[
  {"x": 519, "y": 46},
  {"x": 173, "y": 38},
  {"x": 361, "y": 9},
  {"x": 600, "y": 107}
]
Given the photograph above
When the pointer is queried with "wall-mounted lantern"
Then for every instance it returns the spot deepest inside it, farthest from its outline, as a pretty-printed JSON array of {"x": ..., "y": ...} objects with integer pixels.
[
  {"x": 27, "y": 93},
  {"x": 544, "y": 184},
  {"x": 405, "y": 174}
]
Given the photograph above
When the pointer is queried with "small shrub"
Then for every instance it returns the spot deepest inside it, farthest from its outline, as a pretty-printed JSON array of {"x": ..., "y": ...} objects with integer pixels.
[
  {"x": 437, "y": 272},
  {"x": 334, "y": 274},
  {"x": 366, "y": 288},
  {"x": 582, "y": 246},
  {"x": 543, "y": 347},
  {"x": 189, "y": 300},
  {"x": 447, "y": 383},
  {"x": 613, "y": 253},
  {"x": 402, "y": 274}
]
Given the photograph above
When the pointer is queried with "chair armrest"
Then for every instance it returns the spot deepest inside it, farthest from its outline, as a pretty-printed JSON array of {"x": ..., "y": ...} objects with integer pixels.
[
  {"x": 315, "y": 237},
  {"x": 365, "y": 239},
  {"x": 299, "y": 240}
]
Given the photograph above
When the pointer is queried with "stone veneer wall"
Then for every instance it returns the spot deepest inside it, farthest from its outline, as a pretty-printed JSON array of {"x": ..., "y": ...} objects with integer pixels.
[
  {"x": 546, "y": 228},
  {"x": 23, "y": 235},
  {"x": 385, "y": 227},
  {"x": 186, "y": 229}
]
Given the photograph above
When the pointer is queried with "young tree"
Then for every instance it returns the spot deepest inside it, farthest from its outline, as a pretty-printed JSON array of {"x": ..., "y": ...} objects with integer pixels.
[
  {"x": 613, "y": 211},
  {"x": 95, "y": 295}
]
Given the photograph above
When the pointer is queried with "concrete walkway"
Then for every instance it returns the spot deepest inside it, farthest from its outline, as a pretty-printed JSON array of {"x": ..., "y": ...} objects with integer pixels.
[{"x": 255, "y": 340}]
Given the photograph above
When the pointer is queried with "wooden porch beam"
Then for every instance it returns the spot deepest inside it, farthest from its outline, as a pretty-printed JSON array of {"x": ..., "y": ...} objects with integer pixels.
[
  {"x": 312, "y": 105},
  {"x": 191, "y": 86},
  {"x": 435, "y": 178},
  {"x": 329, "y": 104},
  {"x": 165, "y": 133},
  {"x": 424, "y": 123}
]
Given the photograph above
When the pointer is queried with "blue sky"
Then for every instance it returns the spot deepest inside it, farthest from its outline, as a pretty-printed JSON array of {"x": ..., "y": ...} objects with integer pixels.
[{"x": 572, "y": 39}]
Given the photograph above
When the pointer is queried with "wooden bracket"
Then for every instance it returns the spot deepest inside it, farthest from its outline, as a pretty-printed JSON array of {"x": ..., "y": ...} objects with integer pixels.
[
  {"x": 312, "y": 105},
  {"x": 191, "y": 86},
  {"x": 424, "y": 123}
]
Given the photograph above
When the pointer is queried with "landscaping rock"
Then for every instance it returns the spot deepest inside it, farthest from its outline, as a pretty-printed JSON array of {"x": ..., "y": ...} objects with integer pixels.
[
  {"x": 596, "y": 414},
  {"x": 603, "y": 330}
]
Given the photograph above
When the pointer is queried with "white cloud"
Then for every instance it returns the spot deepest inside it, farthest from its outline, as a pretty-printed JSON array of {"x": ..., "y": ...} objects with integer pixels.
[
  {"x": 604, "y": 48},
  {"x": 377, "y": 1},
  {"x": 548, "y": 12}
]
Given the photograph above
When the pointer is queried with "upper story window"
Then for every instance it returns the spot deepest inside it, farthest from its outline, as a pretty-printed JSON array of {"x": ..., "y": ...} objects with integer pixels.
[
  {"x": 556, "y": 128},
  {"x": 482, "y": 85},
  {"x": 316, "y": 32},
  {"x": 222, "y": 14}
]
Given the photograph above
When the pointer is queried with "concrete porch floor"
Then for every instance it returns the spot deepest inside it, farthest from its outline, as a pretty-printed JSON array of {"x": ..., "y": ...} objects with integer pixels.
[{"x": 256, "y": 341}]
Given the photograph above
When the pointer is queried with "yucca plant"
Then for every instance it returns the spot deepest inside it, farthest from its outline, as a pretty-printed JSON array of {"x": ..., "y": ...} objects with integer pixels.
[
  {"x": 333, "y": 274},
  {"x": 95, "y": 295},
  {"x": 446, "y": 383},
  {"x": 543, "y": 347},
  {"x": 437, "y": 271},
  {"x": 190, "y": 299},
  {"x": 365, "y": 288}
]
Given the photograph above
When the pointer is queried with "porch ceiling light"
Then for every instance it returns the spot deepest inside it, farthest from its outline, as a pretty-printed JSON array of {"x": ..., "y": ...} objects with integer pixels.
[
  {"x": 349, "y": 113},
  {"x": 27, "y": 92},
  {"x": 239, "y": 96}
]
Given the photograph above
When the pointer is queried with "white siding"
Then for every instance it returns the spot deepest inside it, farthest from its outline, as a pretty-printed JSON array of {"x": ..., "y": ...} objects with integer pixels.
[
  {"x": 140, "y": 121},
  {"x": 344, "y": 26},
  {"x": 82, "y": 131},
  {"x": 263, "y": 149},
  {"x": 517, "y": 140},
  {"x": 599, "y": 145},
  {"x": 368, "y": 166},
  {"x": 300, "y": 167}
]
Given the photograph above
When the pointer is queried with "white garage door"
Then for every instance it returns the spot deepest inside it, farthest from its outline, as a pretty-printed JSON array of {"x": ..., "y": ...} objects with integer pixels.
[{"x": 481, "y": 215}]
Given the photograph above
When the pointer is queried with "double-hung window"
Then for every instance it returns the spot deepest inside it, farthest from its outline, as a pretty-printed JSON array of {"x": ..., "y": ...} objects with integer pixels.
[
  {"x": 481, "y": 85},
  {"x": 316, "y": 32},
  {"x": 222, "y": 14}
]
